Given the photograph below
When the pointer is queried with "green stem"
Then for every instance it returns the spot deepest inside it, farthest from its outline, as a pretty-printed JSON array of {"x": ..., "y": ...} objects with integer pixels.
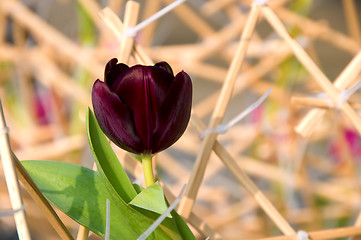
[{"x": 147, "y": 170}]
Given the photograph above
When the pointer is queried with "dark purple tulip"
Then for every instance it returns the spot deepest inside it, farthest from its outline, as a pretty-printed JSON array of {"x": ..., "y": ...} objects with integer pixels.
[{"x": 142, "y": 109}]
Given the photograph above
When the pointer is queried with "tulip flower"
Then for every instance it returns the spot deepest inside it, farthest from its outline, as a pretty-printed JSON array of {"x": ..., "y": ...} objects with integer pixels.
[{"x": 142, "y": 109}]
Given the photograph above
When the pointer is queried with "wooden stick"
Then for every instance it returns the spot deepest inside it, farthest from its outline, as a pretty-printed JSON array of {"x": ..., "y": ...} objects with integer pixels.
[
  {"x": 338, "y": 193},
  {"x": 192, "y": 19},
  {"x": 8, "y": 52},
  {"x": 31, "y": 135},
  {"x": 307, "y": 194},
  {"x": 232, "y": 213},
  {"x": 140, "y": 55},
  {"x": 12, "y": 180},
  {"x": 357, "y": 224},
  {"x": 245, "y": 79},
  {"x": 114, "y": 23},
  {"x": 177, "y": 53},
  {"x": 334, "y": 192},
  {"x": 206, "y": 70},
  {"x": 243, "y": 178},
  {"x": 83, "y": 233},
  {"x": 352, "y": 22},
  {"x": 319, "y": 76},
  {"x": 213, "y": 6},
  {"x": 324, "y": 234},
  {"x": 317, "y": 102},
  {"x": 52, "y": 149},
  {"x": 195, "y": 180},
  {"x": 2, "y": 26},
  {"x": 50, "y": 74},
  {"x": 50, "y": 35},
  {"x": 343, "y": 81},
  {"x": 200, "y": 225},
  {"x": 319, "y": 30},
  {"x": 217, "y": 41},
  {"x": 115, "y": 5},
  {"x": 41, "y": 201},
  {"x": 146, "y": 35},
  {"x": 130, "y": 20},
  {"x": 306, "y": 215}
]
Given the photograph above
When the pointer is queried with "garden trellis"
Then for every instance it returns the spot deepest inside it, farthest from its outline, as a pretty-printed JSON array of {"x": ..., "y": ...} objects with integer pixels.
[{"x": 260, "y": 149}]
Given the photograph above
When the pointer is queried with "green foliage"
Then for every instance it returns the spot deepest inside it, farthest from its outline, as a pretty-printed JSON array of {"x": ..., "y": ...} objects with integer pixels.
[
  {"x": 107, "y": 162},
  {"x": 81, "y": 193},
  {"x": 151, "y": 198}
]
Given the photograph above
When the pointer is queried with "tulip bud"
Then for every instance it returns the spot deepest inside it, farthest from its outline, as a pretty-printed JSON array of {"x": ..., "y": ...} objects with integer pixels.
[{"x": 142, "y": 109}]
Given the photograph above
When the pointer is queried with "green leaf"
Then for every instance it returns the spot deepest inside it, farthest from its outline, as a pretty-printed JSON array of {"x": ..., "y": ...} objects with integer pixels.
[
  {"x": 177, "y": 220},
  {"x": 138, "y": 188},
  {"x": 151, "y": 198},
  {"x": 81, "y": 193},
  {"x": 117, "y": 181},
  {"x": 107, "y": 162},
  {"x": 183, "y": 228}
]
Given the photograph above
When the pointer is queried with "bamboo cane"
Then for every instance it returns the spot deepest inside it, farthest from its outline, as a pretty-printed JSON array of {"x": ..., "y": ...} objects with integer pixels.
[
  {"x": 352, "y": 22},
  {"x": 245, "y": 80},
  {"x": 192, "y": 20},
  {"x": 83, "y": 233},
  {"x": 319, "y": 103},
  {"x": 211, "y": 7},
  {"x": 114, "y": 23},
  {"x": 343, "y": 81},
  {"x": 324, "y": 234},
  {"x": 2, "y": 27},
  {"x": 242, "y": 177},
  {"x": 217, "y": 41},
  {"x": 115, "y": 5},
  {"x": 319, "y": 76},
  {"x": 41, "y": 201},
  {"x": 50, "y": 75},
  {"x": 319, "y": 30},
  {"x": 151, "y": 6},
  {"x": 12, "y": 181},
  {"x": 53, "y": 149},
  {"x": 201, "y": 226},
  {"x": 195, "y": 180},
  {"x": 130, "y": 20},
  {"x": 49, "y": 35}
]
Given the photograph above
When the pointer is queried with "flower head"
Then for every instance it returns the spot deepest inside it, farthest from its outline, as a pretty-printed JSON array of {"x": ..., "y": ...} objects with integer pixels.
[{"x": 142, "y": 109}]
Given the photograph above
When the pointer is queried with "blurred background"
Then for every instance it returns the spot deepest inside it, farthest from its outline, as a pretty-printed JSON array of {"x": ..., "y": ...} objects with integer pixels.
[{"x": 51, "y": 52}]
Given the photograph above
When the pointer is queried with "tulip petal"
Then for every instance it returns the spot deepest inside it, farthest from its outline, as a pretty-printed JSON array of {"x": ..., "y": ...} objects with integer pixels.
[
  {"x": 174, "y": 114},
  {"x": 115, "y": 118},
  {"x": 133, "y": 84},
  {"x": 143, "y": 89},
  {"x": 165, "y": 66},
  {"x": 113, "y": 71},
  {"x": 112, "y": 62}
]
